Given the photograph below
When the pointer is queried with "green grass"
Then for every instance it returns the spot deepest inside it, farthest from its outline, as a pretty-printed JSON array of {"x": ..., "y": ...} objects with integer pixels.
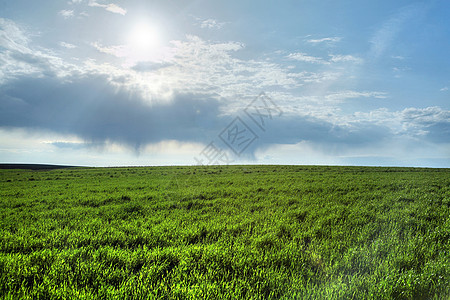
[{"x": 234, "y": 232}]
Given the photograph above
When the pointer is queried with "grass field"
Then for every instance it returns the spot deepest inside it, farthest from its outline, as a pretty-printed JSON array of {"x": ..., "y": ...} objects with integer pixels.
[{"x": 232, "y": 232}]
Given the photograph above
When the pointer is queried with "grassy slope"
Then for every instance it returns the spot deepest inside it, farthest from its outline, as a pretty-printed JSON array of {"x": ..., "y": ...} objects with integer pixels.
[{"x": 232, "y": 232}]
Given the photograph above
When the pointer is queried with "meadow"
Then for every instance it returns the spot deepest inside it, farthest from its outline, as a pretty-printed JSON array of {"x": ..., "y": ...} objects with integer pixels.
[{"x": 225, "y": 232}]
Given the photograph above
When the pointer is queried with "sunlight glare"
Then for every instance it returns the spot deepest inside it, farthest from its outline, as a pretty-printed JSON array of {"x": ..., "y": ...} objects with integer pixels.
[{"x": 143, "y": 37}]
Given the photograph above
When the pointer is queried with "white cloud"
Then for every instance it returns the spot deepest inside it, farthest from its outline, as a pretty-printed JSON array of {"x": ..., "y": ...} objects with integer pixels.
[
  {"x": 425, "y": 116},
  {"x": 444, "y": 89},
  {"x": 316, "y": 77},
  {"x": 211, "y": 64},
  {"x": 67, "y": 45},
  {"x": 343, "y": 95},
  {"x": 114, "y": 8},
  {"x": 211, "y": 24},
  {"x": 345, "y": 58},
  {"x": 195, "y": 65},
  {"x": 299, "y": 56},
  {"x": 412, "y": 122},
  {"x": 327, "y": 40},
  {"x": 12, "y": 37},
  {"x": 118, "y": 51},
  {"x": 20, "y": 58},
  {"x": 66, "y": 14}
]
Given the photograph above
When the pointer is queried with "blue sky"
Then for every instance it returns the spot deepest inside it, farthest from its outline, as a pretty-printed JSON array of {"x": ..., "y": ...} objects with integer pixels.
[{"x": 108, "y": 83}]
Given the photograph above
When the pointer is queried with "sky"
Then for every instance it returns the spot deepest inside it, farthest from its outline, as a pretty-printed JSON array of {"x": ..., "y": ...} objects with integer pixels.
[{"x": 136, "y": 83}]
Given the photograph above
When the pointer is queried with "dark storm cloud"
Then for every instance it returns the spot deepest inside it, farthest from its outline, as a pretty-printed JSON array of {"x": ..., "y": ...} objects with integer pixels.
[
  {"x": 95, "y": 110},
  {"x": 295, "y": 129},
  {"x": 292, "y": 130}
]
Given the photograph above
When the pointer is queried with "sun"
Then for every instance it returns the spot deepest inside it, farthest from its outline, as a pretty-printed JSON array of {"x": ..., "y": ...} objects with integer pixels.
[
  {"x": 143, "y": 37},
  {"x": 144, "y": 41}
]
